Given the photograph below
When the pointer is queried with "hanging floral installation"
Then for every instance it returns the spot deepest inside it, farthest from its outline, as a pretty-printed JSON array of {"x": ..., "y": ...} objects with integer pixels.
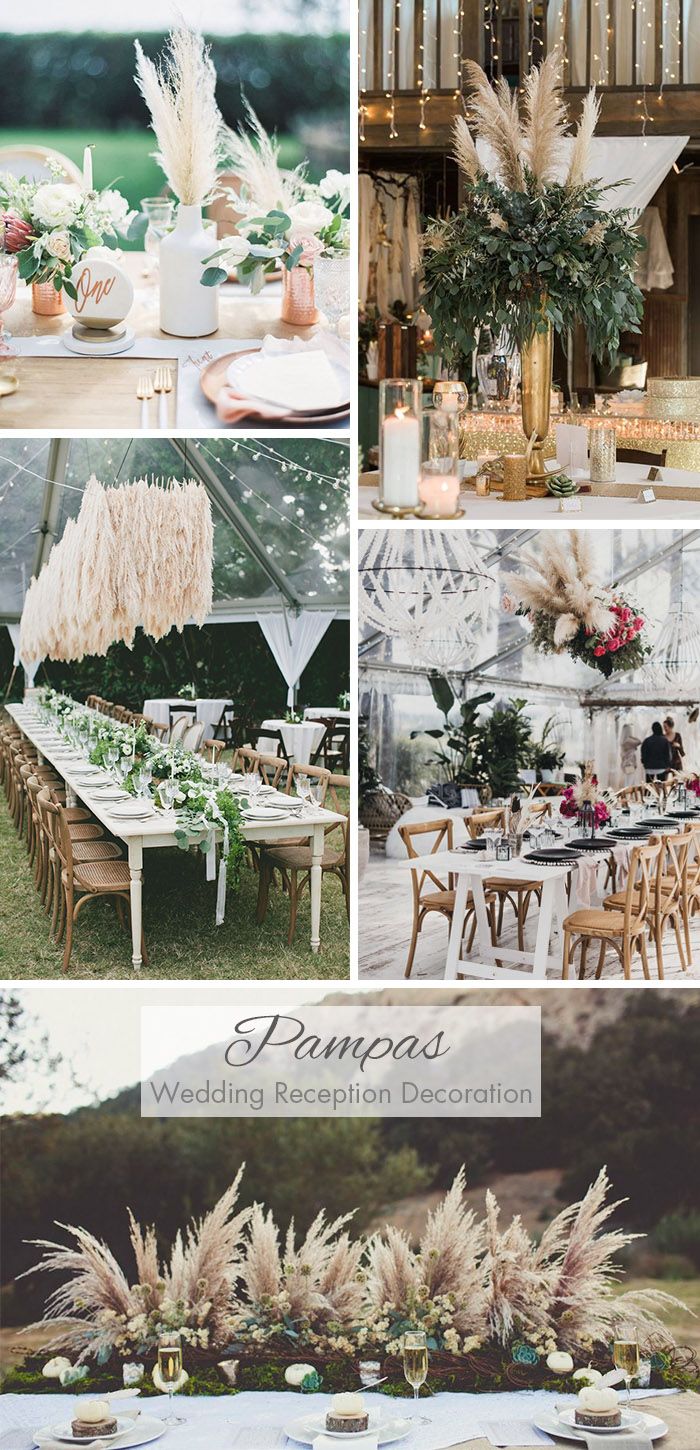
[
  {"x": 494, "y": 1302},
  {"x": 571, "y": 611},
  {"x": 140, "y": 555}
]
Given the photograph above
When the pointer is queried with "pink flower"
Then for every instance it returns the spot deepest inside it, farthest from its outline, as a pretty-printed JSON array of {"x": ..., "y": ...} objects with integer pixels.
[
  {"x": 311, "y": 248},
  {"x": 17, "y": 232},
  {"x": 625, "y": 614},
  {"x": 599, "y": 650},
  {"x": 613, "y": 644},
  {"x": 508, "y": 604},
  {"x": 639, "y": 622}
]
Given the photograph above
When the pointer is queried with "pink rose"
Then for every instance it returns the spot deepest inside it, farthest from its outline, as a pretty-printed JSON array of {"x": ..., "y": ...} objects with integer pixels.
[
  {"x": 599, "y": 650},
  {"x": 613, "y": 644},
  {"x": 311, "y": 248},
  {"x": 639, "y": 622}
]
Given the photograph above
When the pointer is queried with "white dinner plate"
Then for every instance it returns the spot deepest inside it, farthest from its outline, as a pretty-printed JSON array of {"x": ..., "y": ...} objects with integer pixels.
[
  {"x": 387, "y": 1431},
  {"x": 120, "y": 813},
  {"x": 265, "y": 813},
  {"x": 630, "y": 1420},
  {"x": 138, "y": 1432},
  {"x": 553, "y": 1425},
  {"x": 238, "y": 377}
]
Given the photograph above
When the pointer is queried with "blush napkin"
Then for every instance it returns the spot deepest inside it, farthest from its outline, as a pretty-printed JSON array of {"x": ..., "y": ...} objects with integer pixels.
[{"x": 304, "y": 360}]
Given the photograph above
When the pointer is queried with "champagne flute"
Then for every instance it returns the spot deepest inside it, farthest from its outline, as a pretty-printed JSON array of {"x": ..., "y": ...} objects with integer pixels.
[
  {"x": 170, "y": 1371},
  {"x": 626, "y": 1358},
  {"x": 415, "y": 1364}
]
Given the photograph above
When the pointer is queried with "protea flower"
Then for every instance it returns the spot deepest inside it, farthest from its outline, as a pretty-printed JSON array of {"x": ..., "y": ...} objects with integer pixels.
[{"x": 17, "y": 232}]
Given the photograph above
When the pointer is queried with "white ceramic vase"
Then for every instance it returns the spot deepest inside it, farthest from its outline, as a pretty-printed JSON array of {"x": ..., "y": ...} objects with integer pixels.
[{"x": 187, "y": 309}]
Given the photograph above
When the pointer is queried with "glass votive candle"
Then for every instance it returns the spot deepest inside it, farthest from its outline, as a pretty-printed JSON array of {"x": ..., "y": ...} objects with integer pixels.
[
  {"x": 439, "y": 485},
  {"x": 603, "y": 454},
  {"x": 514, "y": 477},
  {"x": 400, "y": 402}
]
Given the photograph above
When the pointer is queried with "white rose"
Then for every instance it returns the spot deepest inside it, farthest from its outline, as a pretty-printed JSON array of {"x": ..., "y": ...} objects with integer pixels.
[
  {"x": 336, "y": 183},
  {"x": 53, "y": 1369},
  {"x": 308, "y": 218},
  {"x": 56, "y": 204},
  {"x": 295, "y": 1374},
  {"x": 114, "y": 207},
  {"x": 57, "y": 244}
]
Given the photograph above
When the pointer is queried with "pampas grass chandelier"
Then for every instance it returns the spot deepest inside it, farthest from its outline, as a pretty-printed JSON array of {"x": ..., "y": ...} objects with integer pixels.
[{"x": 137, "y": 555}]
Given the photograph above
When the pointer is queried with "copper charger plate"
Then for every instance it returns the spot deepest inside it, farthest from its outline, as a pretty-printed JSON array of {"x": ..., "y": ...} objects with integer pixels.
[{"x": 213, "y": 377}]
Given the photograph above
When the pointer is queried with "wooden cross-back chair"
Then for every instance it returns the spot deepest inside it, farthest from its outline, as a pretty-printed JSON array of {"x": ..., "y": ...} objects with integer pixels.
[{"x": 625, "y": 928}]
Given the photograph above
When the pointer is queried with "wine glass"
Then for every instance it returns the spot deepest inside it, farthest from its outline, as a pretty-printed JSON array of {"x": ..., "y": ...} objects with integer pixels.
[
  {"x": 254, "y": 784},
  {"x": 167, "y": 790},
  {"x": 111, "y": 757},
  {"x": 415, "y": 1364},
  {"x": 170, "y": 1371},
  {"x": 626, "y": 1358},
  {"x": 302, "y": 786}
]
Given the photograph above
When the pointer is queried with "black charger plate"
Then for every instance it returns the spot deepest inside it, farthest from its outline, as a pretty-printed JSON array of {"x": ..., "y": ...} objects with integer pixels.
[{"x": 585, "y": 843}]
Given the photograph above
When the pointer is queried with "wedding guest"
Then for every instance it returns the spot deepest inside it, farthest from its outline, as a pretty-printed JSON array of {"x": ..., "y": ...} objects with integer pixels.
[
  {"x": 657, "y": 753},
  {"x": 676, "y": 743}
]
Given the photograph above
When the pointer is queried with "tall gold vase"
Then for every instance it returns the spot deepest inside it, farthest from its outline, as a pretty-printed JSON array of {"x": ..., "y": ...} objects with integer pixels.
[{"x": 536, "y": 385}]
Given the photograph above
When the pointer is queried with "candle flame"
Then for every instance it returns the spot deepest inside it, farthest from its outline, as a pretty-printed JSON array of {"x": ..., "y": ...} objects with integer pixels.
[{"x": 402, "y": 411}]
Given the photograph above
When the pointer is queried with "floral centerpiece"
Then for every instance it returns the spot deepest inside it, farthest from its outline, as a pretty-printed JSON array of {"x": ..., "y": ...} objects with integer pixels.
[
  {"x": 570, "y": 610},
  {"x": 51, "y": 225},
  {"x": 584, "y": 802},
  {"x": 693, "y": 784},
  {"x": 498, "y": 1307},
  {"x": 535, "y": 247},
  {"x": 282, "y": 219}
]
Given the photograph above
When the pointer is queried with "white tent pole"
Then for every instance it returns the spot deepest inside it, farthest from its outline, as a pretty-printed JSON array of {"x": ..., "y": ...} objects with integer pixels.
[{"x": 56, "y": 465}]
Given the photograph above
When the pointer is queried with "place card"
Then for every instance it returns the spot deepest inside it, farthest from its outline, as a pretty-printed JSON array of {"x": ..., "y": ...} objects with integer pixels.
[
  {"x": 569, "y": 506},
  {"x": 646, "y": 495}
]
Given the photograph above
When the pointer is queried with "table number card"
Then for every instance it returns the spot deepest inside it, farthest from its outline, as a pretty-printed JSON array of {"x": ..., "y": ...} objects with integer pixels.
[{"x": 646, "y": 495}]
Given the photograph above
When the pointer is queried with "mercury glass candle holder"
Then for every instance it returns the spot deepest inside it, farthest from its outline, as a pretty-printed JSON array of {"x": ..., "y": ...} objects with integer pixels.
[
  {"x": 400, "y": 412},
  {"x": 603, "y": 454}
]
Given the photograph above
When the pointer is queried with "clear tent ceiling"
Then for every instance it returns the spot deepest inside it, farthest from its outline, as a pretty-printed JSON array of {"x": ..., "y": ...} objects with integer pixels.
[
  {"x": 657, "y": 569},
  {"x": 280, "y": 512}
]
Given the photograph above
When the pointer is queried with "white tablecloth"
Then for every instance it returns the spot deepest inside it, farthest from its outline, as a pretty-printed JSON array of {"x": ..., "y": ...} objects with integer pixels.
[
  {"x": 255, "y": 1420},
  {"x": 321, "y": 712},
  {"x": 207, "y": 711},
  {"x": 300, "y": 741}
]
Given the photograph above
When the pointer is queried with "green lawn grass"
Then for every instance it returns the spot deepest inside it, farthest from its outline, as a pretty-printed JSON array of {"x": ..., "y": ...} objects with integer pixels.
[
  {"x": 182, "y": 939},
  {"x": 122, "y": 158}
]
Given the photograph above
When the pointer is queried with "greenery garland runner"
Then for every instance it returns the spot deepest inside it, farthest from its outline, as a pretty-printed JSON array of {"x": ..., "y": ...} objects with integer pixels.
[{"x": 202, "y": 804}]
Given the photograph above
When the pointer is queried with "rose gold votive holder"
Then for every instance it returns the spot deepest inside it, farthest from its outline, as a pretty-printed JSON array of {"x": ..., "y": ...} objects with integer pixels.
[
  {"x": 46, "y": 301},
  {"x": 514, "y": 477}
]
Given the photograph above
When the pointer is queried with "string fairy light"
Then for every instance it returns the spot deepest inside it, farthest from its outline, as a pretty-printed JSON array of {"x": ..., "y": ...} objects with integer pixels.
[
  {"x": 458, "y": 54},
  {"x": 362, "y": 80}
]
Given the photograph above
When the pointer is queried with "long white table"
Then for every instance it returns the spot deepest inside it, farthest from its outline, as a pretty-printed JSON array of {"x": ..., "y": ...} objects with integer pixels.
[
  {"x": 159, "y": 830},
  {"x": 256, "y": 1420}
]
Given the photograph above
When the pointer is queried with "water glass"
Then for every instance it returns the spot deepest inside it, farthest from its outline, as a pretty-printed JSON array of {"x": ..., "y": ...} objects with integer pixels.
[
  {"x": 332, "y": 287},
  {"x": 161, "y": 220},
  {"x": 8, "y": 289}
]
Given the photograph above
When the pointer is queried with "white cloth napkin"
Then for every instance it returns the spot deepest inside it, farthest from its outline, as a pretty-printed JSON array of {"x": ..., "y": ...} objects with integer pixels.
[
  {"x": 275, "y": 379},
  {"x": 515, "y": 1432},
  {"x": 637, "y": 1441}
]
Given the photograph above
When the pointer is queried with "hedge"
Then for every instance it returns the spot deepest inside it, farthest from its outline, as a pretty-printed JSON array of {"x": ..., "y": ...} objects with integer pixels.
[{"x": 61, "y": 80}]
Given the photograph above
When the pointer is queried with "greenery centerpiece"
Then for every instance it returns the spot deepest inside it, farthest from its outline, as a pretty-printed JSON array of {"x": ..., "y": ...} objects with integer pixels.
[{"x": 535, "y": 247}]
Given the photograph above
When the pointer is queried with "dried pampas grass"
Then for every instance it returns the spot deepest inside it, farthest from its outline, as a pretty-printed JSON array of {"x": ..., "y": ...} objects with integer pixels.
[
  {"x": 464, "y": 150},
  {"x": 255, "y": 159},
  {"x": 564, "y": 583},
  {"x": 180, "y": 95},
  {"x": 546, "y": 118},
  {"x": 137, "y": 555},
  {"x": 581, "y": 153},
  {"x": 494, "y": 112}
]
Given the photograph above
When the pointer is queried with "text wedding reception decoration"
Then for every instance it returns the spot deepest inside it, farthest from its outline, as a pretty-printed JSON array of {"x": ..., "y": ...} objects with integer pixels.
[
  {"x": 500, "y": 1310},
  {"x": 528, "y": 252}
]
